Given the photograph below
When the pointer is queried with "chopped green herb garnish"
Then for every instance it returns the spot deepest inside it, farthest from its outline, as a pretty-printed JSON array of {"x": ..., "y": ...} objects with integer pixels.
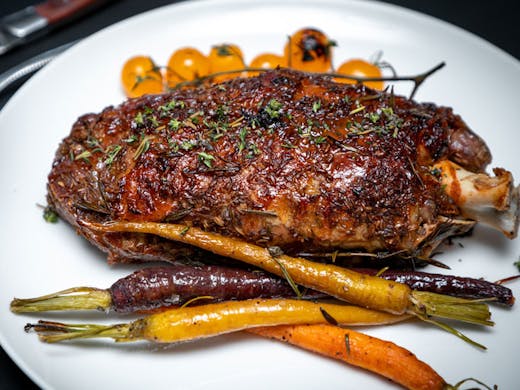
[
  {"x": 253, "y": 150},
  {"x": 131, "y": 139},
  {"x": 174, "y": 146},
  {"x": 112, "y": 152},
  {"x": 374, "y": 117},
  {"x": 139, "y": 119},
  {"x": 222, "y": 111},
  {"x": 273, "y": 108},
  {"x": 288, "y": 145},
  {"x": 388, "y": 111},
  {"x": 49, "y": 215},
  {"x": 320, "y": 139},
  {"x": 254, "y": 123},
  {"x": 206, "y": 159},
  {"x": 153, "y": 121},
  {"x": 174, "y": 124},
  {"x": 171, "y": 105},
  {"x": 316, "y": 106},
  {"x": 184, "y": 230},
  {"x": 93, "y": 143},
  {"x": 242, "y": 136},
  {"x": 84, "y": 156}
]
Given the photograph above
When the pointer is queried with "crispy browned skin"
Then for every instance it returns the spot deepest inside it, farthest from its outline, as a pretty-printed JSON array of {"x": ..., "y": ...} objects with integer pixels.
[{"x": 284, "y": 159}]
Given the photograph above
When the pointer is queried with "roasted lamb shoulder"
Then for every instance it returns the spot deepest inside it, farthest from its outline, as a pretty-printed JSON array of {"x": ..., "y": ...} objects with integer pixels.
[{"x": 284, "y": 159}]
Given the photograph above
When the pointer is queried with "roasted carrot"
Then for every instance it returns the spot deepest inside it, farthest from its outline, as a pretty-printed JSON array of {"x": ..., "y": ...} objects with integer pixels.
[
  {"x": 159, "y": 287},
  {"x": 379, "y": 356},
  {"x": 363, "y": 290},
  {"x": 456, "y": 286},
  {"x": 190, "y": 323},
  {"x": 152, "y": 288}
]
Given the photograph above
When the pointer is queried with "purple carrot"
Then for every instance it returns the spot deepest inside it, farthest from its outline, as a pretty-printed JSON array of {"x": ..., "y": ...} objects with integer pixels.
[
  {"x": 448, "y": 284},
  {"x": 159, "y": 287},
  {"x": 155, "y": 287}
]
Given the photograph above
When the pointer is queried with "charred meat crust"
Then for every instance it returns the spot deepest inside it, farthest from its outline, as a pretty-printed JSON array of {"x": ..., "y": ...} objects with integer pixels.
[{"x": 285, "y": 159}]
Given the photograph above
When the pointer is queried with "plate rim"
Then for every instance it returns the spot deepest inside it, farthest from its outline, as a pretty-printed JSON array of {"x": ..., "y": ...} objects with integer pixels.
[{"x": 477, "y": 40}]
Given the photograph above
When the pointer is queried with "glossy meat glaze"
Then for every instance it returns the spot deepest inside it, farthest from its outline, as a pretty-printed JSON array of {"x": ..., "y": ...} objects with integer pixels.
[{"x": 283, "y": 159}]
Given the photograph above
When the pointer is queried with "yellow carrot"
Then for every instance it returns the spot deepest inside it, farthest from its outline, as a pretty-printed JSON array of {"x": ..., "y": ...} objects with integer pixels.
[
  {"x": 379, "y": 356},
  {"x": 190, "y": 323},
  {"x": 363, "y": 290}
]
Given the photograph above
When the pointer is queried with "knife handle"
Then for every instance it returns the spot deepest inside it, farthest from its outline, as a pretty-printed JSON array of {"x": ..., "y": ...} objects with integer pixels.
[{"x": 56, "y": 11}]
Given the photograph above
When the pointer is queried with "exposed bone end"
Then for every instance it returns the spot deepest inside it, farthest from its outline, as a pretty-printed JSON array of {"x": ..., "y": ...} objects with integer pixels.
[
  {"x": 444, "y": 228},
  {"x": 493, "y": 201}
]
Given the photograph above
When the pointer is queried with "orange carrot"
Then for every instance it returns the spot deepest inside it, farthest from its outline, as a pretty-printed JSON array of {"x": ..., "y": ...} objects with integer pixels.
[{"x": 379, "y": 356}]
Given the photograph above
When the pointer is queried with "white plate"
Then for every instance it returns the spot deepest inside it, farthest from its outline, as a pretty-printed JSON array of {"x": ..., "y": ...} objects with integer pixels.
[{"x": 480, "y": 82}]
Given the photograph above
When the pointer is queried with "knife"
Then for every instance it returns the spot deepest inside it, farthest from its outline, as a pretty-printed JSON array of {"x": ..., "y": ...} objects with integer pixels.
[
  {"x": 33, "y": 21},
  {"x": 31, "y": 65}
]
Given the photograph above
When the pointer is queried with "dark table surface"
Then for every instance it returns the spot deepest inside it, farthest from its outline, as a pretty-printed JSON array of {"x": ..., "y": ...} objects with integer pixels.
[{"x": 495, "y": 21}]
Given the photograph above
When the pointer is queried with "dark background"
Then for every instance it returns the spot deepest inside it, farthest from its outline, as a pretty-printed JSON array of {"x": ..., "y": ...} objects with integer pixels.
[{"x": 496, "y": 21}]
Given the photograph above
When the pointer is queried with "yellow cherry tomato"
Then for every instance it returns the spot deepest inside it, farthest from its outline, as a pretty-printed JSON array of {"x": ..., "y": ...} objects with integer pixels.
[
  {"x": 310, "y": 50},
  {"x": 360, "y": 68},
  {"x": 140, "y": 76},
  {"x": 225, "y": 57},
  {"x": 266, "y": 61},
  {"x": 186, "y": 64}
]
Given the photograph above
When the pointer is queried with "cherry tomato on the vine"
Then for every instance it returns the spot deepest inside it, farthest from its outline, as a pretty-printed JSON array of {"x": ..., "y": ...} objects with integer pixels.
[
  {"x": 226, "y": 57},
  {"x": 310, "y": 50},
  {"x": 186, "y": 64},
  {"x": 266, "y": 61},
  {"x": 360, "y": 68},
  {"x": 141, "y": 76}
]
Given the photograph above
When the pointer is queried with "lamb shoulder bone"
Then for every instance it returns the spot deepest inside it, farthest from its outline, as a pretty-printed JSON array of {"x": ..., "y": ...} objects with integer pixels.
[{"x": 284, "y": 159}]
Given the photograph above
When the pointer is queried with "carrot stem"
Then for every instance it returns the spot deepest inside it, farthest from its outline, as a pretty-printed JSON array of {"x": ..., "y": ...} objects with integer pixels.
[{"x": 83, "y": 298}]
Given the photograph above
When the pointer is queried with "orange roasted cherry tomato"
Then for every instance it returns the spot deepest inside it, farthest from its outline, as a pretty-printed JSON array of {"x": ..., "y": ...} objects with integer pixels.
[
  {"x": 310, "y": 50},
  {"x": 226, "y": 57},
  {"x": 266, "y": 61},
  {"x": 360, "y": 68},
  {"x": 186, "y": 64},
  {"x": 140, "y": 76}
]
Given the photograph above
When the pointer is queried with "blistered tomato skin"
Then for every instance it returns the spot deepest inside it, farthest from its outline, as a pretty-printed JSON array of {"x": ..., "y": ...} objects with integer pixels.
[
  {"x": 360, "y": 68},
  {"x": 140, "y": 76},
  {"x": 226, "y": 57},
  {"x": 309, "y": 50},
  {"x": 186, "y": 64}
]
